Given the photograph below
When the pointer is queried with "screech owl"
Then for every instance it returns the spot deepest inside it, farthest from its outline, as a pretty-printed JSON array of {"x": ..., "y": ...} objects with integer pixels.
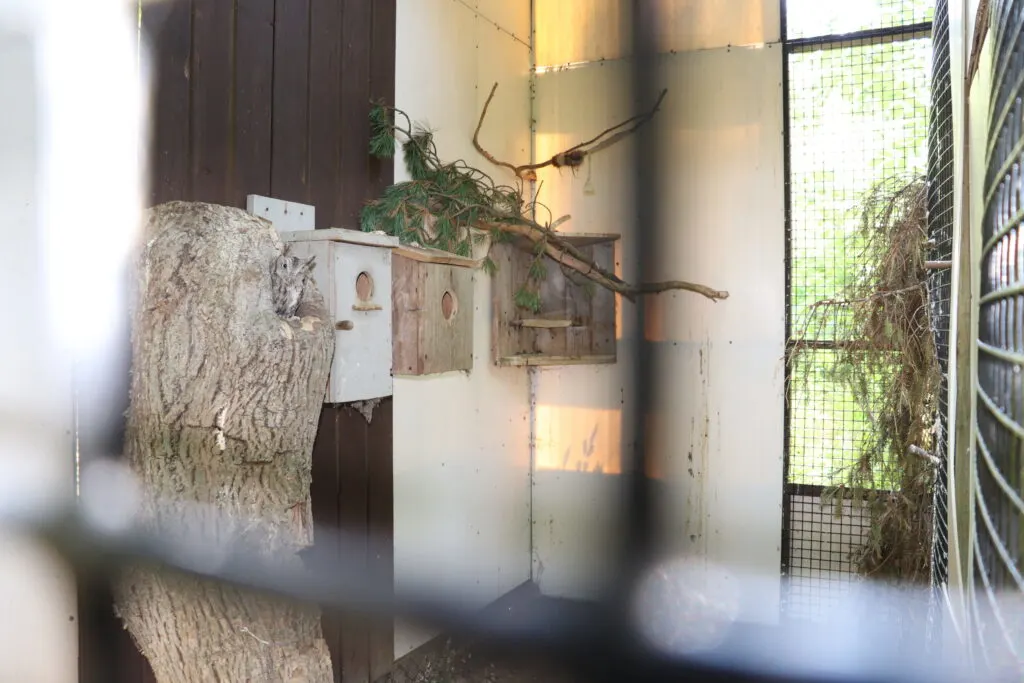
[{"x": 288, "y": 277}]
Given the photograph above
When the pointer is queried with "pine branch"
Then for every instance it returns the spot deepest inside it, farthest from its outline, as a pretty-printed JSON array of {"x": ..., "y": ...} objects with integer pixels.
[{"x": 444, "y": 203}]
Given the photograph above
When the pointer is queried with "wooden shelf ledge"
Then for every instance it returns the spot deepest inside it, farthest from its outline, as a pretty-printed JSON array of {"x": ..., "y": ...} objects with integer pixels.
[{"x": 541, "y": 360}]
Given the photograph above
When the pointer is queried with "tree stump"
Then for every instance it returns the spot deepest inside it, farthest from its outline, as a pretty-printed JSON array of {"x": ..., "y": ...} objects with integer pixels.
[{"x": 225, "y": 398}]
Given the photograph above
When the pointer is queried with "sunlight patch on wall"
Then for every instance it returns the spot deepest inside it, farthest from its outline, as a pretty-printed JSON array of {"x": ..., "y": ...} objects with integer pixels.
[
  {"x": 572, "y": 439},
  {"x": 579, "y": 31}
]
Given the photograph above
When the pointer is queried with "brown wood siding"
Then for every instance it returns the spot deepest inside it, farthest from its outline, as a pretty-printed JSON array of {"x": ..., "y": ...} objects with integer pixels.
[
  {"x": 270, "y": 97},
  {"x": 353, "y": 483},
  {"x": 352, "y": 489}
]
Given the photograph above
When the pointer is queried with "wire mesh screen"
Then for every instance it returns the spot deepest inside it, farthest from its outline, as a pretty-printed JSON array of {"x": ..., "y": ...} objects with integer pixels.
[
  {"x": 810, "y": 18},
  {"x": 940, "y": 238},
  {"x": 1000, "y": 426},
  {"x": 857, "y": 114}
]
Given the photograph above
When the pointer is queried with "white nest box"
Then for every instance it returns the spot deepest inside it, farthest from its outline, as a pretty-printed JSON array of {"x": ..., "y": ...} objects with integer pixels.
[{"x": 353, "y": 273}]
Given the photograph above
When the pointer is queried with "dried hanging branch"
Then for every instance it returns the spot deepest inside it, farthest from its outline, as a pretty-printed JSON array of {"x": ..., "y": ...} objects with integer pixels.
[
  {"x": 450, "y": 206},
  {"x": 574, "y": 156},
  {"x": 883, "y": 357}
]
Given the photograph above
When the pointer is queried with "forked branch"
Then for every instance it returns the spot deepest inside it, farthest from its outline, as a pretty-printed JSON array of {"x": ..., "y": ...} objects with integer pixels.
[{"x": 574, "y": 156}]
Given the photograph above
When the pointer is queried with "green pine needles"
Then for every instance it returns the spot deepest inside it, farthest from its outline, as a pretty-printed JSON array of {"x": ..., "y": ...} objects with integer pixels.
[
  {"x": 455, "y": 207},
  {"x": 447, "y": 206}
]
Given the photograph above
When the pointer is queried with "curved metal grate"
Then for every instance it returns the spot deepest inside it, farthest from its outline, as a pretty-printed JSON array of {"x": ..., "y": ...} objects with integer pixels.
[{"x": 998, "y": 541}]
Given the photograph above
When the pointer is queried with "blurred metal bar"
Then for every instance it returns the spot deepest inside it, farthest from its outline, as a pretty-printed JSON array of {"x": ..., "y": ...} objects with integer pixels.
[
  {"x": 583, "y": 635},
  {"x": 639, "y": 515}
]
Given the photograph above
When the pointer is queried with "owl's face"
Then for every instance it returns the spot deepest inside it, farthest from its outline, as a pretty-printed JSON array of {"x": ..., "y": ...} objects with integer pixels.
[{"x": 292, "y": 268}]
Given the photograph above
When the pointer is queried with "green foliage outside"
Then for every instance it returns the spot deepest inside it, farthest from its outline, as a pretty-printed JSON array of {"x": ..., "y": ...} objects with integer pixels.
[
  {"x": 858, "y": 115},
  {"x": 808, "y": 18}
]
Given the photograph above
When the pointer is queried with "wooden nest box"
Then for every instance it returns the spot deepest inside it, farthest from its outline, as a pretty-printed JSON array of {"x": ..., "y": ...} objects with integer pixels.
[
  {"x": 576, "y": 323},
  {"x": 432, "y": 314},
  {"x": 353, "y": 272}
]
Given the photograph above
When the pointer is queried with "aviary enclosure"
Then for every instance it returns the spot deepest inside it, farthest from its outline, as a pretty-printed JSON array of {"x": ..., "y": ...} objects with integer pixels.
[{"x": 457, "y": 282}]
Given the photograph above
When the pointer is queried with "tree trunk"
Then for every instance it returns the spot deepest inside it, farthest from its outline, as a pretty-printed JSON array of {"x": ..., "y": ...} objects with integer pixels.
[{"x": 225, "y": 400}]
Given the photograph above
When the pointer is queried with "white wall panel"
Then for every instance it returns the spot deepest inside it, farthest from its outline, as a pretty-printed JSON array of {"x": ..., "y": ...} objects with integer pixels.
[
  {"x": 572, "y": 31},
  {"x": 505, "y": 15},
  {"x": 719, "y": 426},
  {"x": 461, "y": 444}
]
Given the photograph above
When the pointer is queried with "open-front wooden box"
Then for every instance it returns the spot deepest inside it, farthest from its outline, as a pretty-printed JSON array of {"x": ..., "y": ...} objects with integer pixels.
[{"x": 576, "y": 323}]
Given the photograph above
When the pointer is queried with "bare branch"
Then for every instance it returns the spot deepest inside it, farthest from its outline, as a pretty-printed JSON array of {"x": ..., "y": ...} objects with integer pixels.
[
  {"x": 567, "y": 255},
  {"x": 637, "y": 121},
  {"x": 554, "y": 224},
  {"x": 669, "y": 285},
  {"x": 574, "y": 156},
  {"x": 476, "y": 136}
]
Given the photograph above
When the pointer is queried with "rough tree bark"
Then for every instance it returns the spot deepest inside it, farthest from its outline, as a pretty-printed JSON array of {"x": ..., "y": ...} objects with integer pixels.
[{"x": 225, "y": 399}]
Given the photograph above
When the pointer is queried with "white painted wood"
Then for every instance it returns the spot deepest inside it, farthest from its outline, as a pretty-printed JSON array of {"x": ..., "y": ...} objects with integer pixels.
[
  {"x": 362, "y": 354},
  {"x": 718, "y": 428},
  {"x": 286, "y": 216},
  {"x": 461, "y": 444},
  {"x": 377, "y": 239}
]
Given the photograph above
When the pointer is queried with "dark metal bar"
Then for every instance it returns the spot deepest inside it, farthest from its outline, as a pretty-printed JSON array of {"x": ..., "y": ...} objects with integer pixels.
[
  {"x": 584, "y": 635},
  {"x": 831, "y": 345},
  {"x": 639, "y": 513},
  {"x": 816, "y": 490},
  {"x": 900, "y": 32}
]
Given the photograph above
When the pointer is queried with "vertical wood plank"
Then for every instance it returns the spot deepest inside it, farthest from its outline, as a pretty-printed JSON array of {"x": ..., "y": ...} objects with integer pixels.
[
  {"x": 107, "y": 653},
  {"x": 555, "y": 301},
  {"x": 289, "y": 179},
  {"x": 602, "y": 305},
  {"x": 324, "y": 502},
  {"x": 382, "y": 82},
  {"x": 212, "y": 99},
  {"x": 579, "y": 304},
  {"x": 355, "y": 115},
  {"x": 353, "y": 512},
  {"x": 325, "y": 110},
  {"x": 380, "y": 458},
  {"x": 406, "y": 309},
  {"x": 254, "y": 73},
  {"x": 445, "y": 345},
  {"x": 167, "y": 26},
  {"x": 507, "y": 339}
]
